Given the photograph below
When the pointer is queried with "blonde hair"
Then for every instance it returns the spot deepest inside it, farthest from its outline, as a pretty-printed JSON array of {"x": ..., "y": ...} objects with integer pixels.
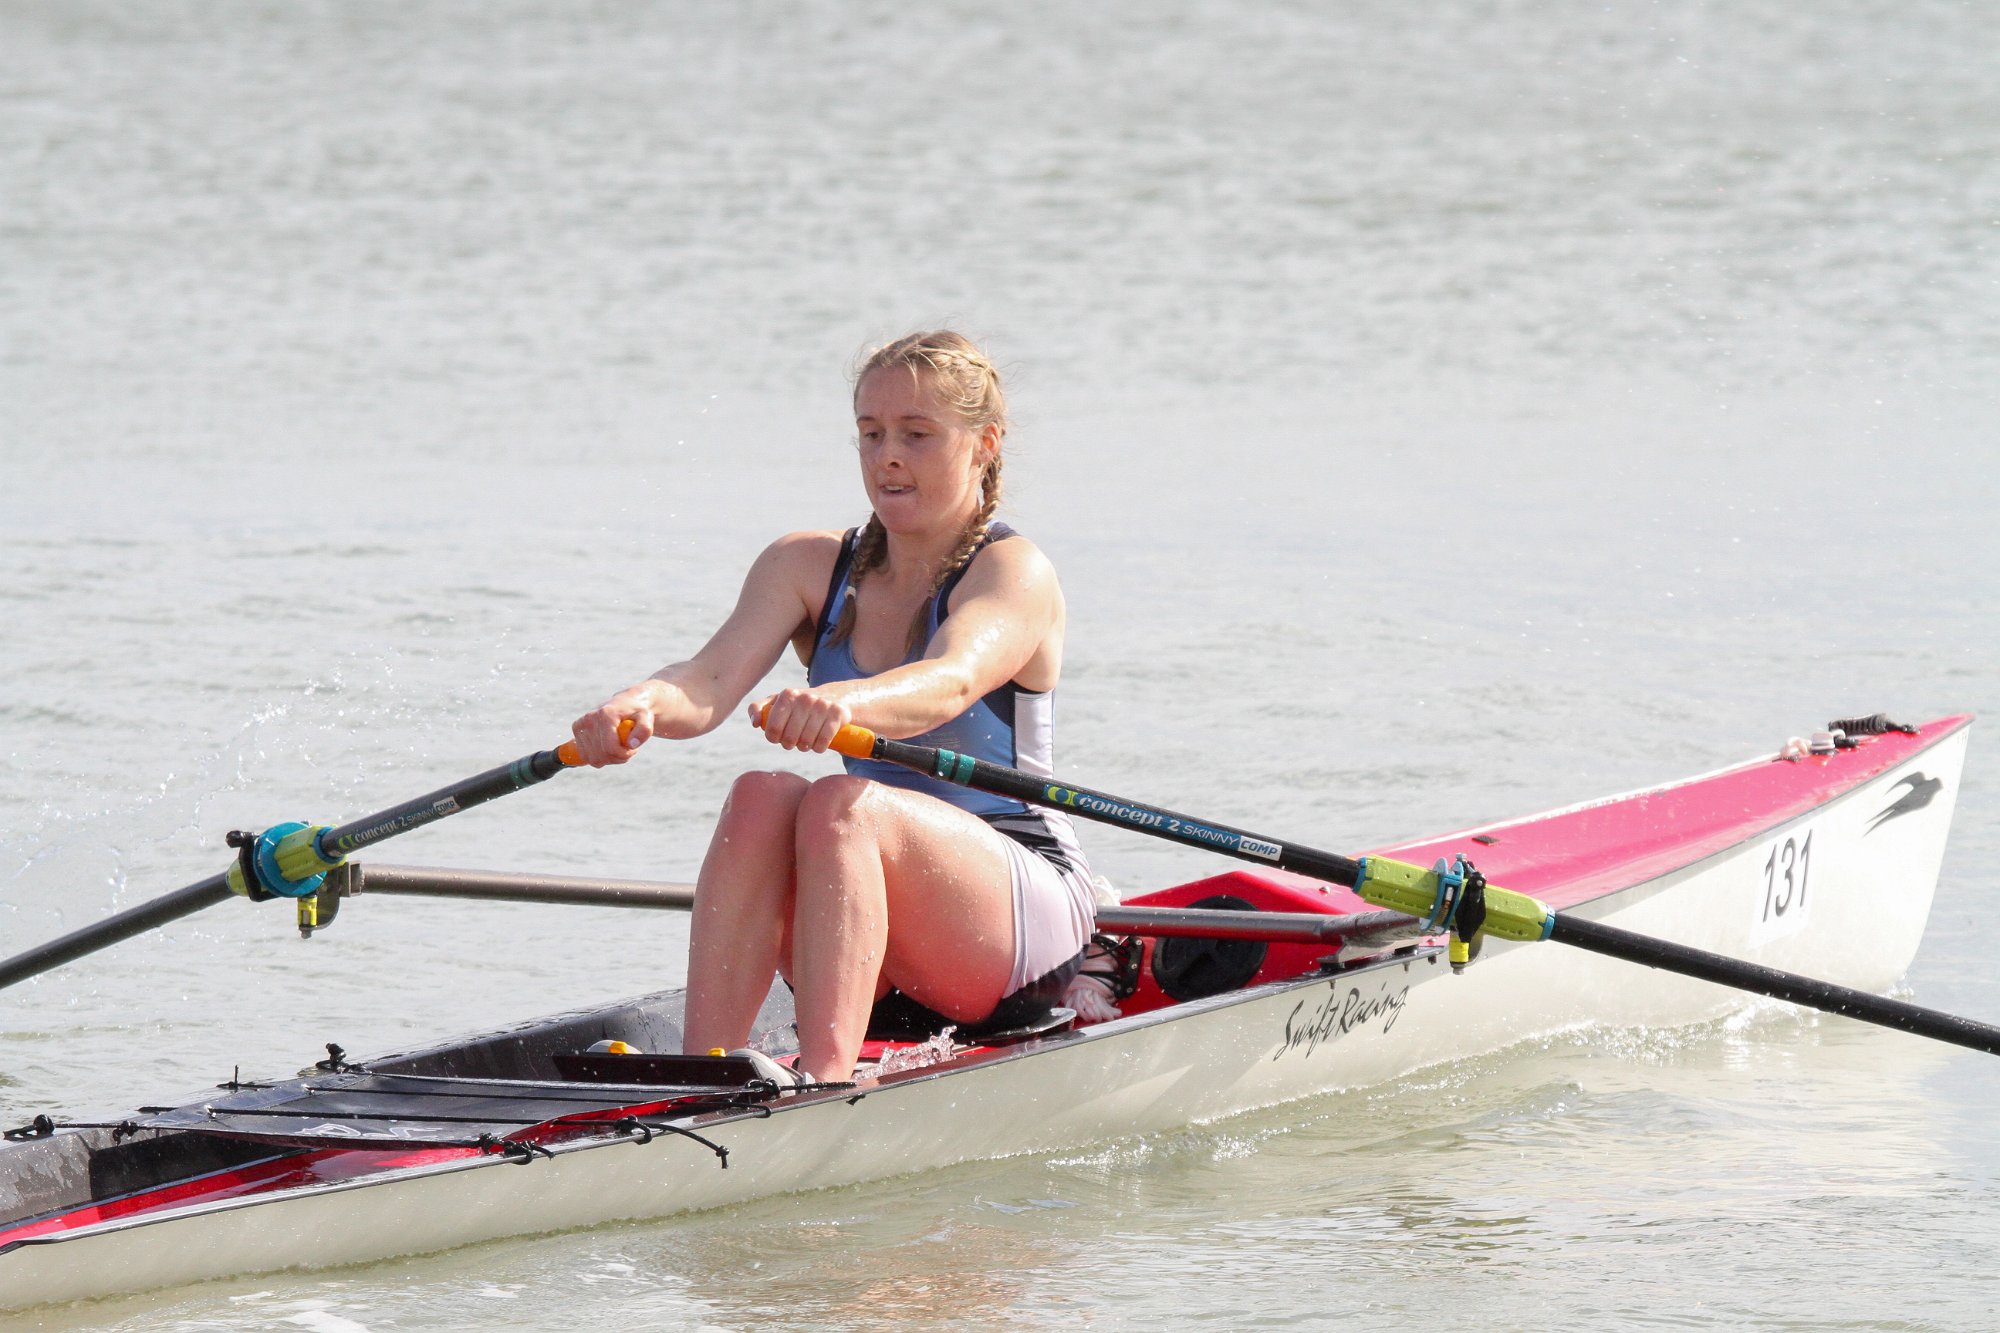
[{"x": 965, "y": 381}]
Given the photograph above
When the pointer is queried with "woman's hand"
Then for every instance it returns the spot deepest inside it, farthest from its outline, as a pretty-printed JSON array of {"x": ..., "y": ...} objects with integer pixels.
[
  {"x": 801, "y": 719},
  {"x": 596, "y": 732}
]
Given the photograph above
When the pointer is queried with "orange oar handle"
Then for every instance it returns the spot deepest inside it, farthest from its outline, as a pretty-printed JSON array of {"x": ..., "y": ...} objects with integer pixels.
[
  {"x": 855, "y": 742},
  {"x": 567, "y": 751},
  {"x": 852, "y": 741}
]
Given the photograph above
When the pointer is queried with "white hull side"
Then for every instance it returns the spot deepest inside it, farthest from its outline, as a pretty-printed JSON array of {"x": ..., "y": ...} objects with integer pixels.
[
  {"x": 1152, "y": 1077},
  {"x": 1855, "y": 918}
]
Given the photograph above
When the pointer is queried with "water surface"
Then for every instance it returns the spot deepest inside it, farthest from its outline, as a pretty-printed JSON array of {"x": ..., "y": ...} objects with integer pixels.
[{"x": 1436, "y": 415}]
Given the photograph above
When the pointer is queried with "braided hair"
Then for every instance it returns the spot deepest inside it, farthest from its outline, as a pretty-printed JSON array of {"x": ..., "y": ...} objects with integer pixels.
[{"x": 966, "y": 382}]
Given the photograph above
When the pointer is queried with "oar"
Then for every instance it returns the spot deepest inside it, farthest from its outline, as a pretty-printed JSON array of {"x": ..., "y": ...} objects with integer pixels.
[
  {"x": 1452, "y": 898},
  {"x": 291, "y": 860}
]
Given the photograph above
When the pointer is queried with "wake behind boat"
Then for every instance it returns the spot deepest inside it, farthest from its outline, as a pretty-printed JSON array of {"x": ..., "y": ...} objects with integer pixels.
[{"x": 1820, "y": 862}]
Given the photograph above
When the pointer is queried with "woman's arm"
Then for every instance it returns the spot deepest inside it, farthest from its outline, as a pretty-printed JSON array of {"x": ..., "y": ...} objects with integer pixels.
[
  {"x": 692, "y": 698},
  {"x": 1006, "y": 624}
]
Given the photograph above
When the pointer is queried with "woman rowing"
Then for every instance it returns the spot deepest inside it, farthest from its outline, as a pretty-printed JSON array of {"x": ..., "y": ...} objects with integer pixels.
[{"x": 931, "y": 622}]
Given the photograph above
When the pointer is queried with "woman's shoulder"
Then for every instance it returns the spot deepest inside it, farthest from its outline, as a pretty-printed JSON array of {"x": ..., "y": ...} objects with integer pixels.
[
  {"x": 803, "y": 552},
  {"x": 1013, "y": 552},
  {"x": 814, "y": 544},
  {"x": 800, "y": 561},
  {"x": 1010, "y": 565}
]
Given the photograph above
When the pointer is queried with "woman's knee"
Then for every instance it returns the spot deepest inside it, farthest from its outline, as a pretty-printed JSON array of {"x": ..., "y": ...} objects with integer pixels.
[
  {"x": 748, "y": 865},
  {"x": 835, "y": 809},
  {"x": 764, "y": 800}
]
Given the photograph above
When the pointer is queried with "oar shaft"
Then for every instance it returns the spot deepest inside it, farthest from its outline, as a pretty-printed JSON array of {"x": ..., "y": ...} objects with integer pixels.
[
  {"x": 1612, "y": 942},
  {"x": 346, "y": 839},
  {"x": 970, "y": 772},
  {"x": 528, "y": 770},
  {"x": 302, "y": 855},
  {"x": 121, "y": 926}
]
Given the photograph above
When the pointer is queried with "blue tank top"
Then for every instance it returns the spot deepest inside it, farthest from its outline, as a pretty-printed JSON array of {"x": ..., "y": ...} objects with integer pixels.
[{"x": 1012, "y": 727}]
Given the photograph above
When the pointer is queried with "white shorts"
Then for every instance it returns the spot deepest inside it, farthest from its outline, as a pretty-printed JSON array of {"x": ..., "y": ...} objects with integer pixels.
[{"x": 1055, "y": 911}]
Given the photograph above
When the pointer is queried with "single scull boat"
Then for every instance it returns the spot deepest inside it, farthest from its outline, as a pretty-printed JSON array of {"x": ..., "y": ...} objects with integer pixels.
[{"x": 1824, "y": 862}]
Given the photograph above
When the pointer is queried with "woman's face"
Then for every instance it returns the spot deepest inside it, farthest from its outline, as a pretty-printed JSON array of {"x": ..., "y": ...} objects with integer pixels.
[{"x": 919, "y": 460}]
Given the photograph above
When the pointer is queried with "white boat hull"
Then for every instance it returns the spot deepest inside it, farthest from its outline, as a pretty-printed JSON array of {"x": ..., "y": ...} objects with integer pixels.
[{"x": 1866, "y": 897}]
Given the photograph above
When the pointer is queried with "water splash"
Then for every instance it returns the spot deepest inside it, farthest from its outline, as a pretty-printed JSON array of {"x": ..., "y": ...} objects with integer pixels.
[
  {"x": 919, "y": 1056},
  {"x": 776, "y": 1041}
]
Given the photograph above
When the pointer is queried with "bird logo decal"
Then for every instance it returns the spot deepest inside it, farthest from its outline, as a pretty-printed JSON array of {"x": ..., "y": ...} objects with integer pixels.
[{"x": 1922, "y": 791}]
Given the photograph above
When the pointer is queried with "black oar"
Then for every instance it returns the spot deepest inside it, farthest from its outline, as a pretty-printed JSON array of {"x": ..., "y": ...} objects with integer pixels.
[
  {"x": 291, "y": 860},
  {"x": 1446, "y": 898}
]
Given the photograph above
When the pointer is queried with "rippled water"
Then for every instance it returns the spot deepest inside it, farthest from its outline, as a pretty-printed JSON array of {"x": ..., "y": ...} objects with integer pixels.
[{"x": 1436, "y": 413}]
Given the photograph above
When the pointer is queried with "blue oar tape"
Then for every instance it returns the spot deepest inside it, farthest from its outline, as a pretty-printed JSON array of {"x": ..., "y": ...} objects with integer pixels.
[{"x": 954, "y": 767}]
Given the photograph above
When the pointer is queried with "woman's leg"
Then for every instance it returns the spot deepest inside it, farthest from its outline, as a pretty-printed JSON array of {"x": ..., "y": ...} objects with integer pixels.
[
  {"x": 892, "y": 888},
  {"x": 743, "y": 909}
]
